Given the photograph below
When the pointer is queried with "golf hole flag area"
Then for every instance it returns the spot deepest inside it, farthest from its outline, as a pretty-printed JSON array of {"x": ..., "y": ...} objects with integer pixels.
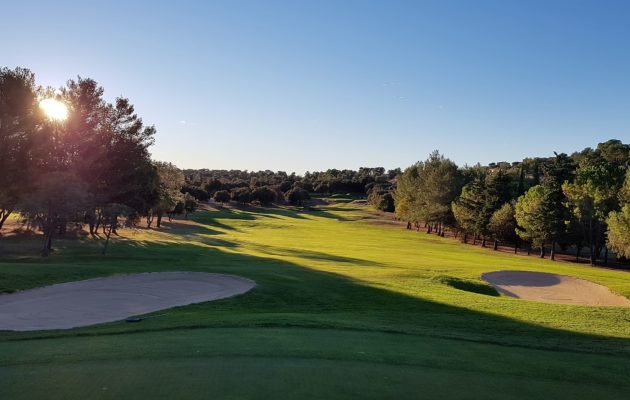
[{"x": 94, "y": 301}]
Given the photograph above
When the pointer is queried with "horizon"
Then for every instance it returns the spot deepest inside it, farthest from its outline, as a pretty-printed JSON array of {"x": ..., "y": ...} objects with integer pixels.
[{"x": 297, "y": 87}]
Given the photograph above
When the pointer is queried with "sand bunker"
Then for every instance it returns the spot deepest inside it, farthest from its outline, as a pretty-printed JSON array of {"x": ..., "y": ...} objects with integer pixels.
[
  {"x": 552, "y": 288},
  {"x": 94, "y": 301}
]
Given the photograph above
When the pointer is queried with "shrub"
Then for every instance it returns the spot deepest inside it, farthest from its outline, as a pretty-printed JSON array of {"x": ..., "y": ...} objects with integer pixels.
[
  {"x": 381, "y": 200},
  {"x": 242, "y": 195},
  {"x": 297, "y": 196},
  {"x": 264, "y": 194},
  {"x": 222, "y": 196}
]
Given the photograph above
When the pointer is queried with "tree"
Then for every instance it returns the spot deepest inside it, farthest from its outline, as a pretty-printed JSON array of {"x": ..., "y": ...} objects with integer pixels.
[
  {"x": 264, "y": 195},
  {"x": 190, "y": 205},
  {"x": 619, "y": 231},
  {"x": 469, "y": 208},
  {"x": 426, "y": 190},
  {"x": 242, "y": 195},
  {"x": 381, "y": 199},
  {"x": 171, "y": 182},
  {"x": 502, "y": 226},
  {"x": 480, "y": 198},
  {"x": 619, "y": 223},
  {"x": 297, "y": 196},
  {"x": 406, "y": 196},
  {"x": 440, "y": 183},
  {"x": 536, "y": 218},
  {"x": 222, "y": 196},
  {"x": 19, "y": 120},
  {"x": 58, "y": 197},
  {"x": 591, "y": 198}
]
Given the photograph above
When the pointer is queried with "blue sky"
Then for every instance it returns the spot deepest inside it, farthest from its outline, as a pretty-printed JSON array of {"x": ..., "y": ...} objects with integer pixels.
[{"x": 300, "y": 85}]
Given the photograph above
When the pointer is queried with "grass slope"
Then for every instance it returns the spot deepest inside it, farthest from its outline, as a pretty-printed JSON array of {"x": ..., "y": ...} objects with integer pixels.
[{"x": 344, "y": 308}]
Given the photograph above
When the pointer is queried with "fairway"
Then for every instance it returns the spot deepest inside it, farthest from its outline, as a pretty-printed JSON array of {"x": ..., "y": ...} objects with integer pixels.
[{"x": 347, "y": 304}]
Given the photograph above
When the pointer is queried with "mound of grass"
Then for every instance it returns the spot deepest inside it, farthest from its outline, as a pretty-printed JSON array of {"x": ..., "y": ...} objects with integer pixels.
[{"x": 467, "y": 285}]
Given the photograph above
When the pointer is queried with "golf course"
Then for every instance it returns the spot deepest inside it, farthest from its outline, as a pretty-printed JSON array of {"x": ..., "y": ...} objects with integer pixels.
[{"x": 346, "y": 301}]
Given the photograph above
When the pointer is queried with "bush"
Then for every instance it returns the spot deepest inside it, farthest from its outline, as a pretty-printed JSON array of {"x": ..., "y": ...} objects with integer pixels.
[
  {"x": 297, "y": 196},
  {"x": 381, "y": 200},
  {"x": 190, "y": 204},
  {"x": 265, "y": 195},
  {"x": 222, "y": 196},
  {"x": 242, "y": 195},
  {"x": 196, "y": 192},
  {"x": 285, "y": 186}
]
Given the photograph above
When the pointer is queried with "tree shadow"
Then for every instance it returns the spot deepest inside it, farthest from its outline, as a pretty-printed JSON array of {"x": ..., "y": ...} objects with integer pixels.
[
  {"x": 524, "y": 278},
  {"x": 192, "y": 227},
  {"x": 314, "y": 255}
]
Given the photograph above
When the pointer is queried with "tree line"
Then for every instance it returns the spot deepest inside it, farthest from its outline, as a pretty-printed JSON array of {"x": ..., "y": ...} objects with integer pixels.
[
  {"x": 581, "y": 201},
  {"x": 91, "y": 168},
  {"x": 266, "y": 187}
]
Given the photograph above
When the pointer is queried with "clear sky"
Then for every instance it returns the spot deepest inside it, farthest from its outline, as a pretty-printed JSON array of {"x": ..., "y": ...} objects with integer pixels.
[{"x": 311, "y": 85}]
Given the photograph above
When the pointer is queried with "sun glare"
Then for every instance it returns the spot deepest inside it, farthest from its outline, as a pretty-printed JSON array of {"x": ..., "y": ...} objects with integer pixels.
[{"x": 54, "y": 109}]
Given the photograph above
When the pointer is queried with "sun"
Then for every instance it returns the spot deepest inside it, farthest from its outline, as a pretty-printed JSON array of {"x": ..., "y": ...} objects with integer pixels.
[{"x": 54, "y": 109}]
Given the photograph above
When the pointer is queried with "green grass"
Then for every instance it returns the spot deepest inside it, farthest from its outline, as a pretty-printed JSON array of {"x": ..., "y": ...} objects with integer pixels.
[{"x": 344, "y": 308}]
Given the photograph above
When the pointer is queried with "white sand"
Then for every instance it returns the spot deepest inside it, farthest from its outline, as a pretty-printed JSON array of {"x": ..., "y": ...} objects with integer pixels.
[
  {"x": 95, "y": 301},
  {"x": 552, "y": 288}
]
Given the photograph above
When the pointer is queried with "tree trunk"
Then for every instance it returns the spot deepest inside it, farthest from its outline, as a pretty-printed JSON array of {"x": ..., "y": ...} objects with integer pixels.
[
  {"x": 542, "y": 251},
  {"x": 107, "y": 236},
  {"x": 474, "y": 239},
  {"x": 3, "y": 216},
  {"x": 483, "y": 241},
  {"x": 553, "y": 251},
  {"x": 577, "y": 253},
  {"x": 48, "y": 232},
  {"x": 465, "y": 237},
  {"x": 63, "y": 225},
  {"x": 158, "y": 223},
  {"x": 408, "y": 224},
  {"x": 99, "y": 220},
  {"x": 592, "y": 244},
  {"x": 516, "y": 246},
  {"x": 529, "y": 249},
  {"x": 496, "y": 245}
]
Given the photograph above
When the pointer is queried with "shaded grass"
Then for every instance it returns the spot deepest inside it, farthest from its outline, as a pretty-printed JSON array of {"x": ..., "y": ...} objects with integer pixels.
[{"x": 468, "y": 285}]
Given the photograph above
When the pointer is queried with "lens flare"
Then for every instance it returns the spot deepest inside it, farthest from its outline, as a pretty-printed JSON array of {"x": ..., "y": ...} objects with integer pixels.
[{"x": 54, "y": 109}]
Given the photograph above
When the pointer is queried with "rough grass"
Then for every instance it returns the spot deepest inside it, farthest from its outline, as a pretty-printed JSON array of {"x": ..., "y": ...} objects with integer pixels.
[{"x": 344, "y": 308}]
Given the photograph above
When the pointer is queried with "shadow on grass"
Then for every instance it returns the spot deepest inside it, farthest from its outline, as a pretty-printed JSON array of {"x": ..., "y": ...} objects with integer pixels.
[
  {"x": 251, "y": 213},
  {"x": 288, "y": 295},
  {"x": 314, "y": 255}
]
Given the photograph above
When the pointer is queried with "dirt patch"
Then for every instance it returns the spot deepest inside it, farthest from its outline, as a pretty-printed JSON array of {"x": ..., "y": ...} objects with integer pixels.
[
  {"x": 94, "y": 301},
  {"x": 552, "y": 288}
]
